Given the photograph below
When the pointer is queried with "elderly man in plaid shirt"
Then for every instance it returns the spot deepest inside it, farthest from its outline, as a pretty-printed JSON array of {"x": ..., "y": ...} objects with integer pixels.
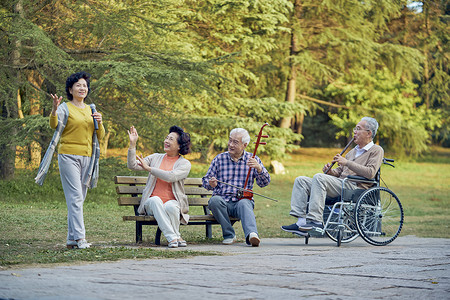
[{"x": 232, "y": 167}]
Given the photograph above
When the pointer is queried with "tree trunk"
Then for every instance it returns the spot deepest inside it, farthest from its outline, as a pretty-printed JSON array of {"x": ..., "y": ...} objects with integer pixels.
[
  {"x": 291, "y": 88},
  {"x": 291, "y": 85},
  {"x": 426, "y": 71},
  {"x": 209, "y": 153},
  {"x": 299, "y": 118},
  {"x": 104, "y": 144},
  {"x": 35, "y": 100},
  {"x": 10, "y": 110},
  {"x": 426, "y": 79}
]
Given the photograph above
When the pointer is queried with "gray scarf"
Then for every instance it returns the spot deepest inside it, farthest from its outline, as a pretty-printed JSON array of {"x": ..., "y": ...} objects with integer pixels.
[{"x": 92, "y": 178}]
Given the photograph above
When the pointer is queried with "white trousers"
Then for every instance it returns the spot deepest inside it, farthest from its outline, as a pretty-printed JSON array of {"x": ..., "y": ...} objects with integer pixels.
[
  {"x": 73, "y": 170},
  {"x": 166, "y": 214}
]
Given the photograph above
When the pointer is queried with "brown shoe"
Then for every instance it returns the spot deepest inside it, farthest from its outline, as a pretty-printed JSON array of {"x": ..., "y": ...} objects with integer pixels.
[{"x": 254, "y": 239}]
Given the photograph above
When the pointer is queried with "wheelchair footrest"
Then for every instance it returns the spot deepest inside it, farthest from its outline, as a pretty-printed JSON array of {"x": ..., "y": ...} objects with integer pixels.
[{"x": 306, "y": 234}]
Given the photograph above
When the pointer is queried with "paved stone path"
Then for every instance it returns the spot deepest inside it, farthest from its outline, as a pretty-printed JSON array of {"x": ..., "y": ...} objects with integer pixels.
[{"x": 409, "y": 268}]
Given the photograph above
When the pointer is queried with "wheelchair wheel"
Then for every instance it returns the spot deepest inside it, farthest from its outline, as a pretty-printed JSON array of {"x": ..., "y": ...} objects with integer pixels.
[
  {"x": 379, "y": 216},
  {"x": 349, "y": 233},
  {"x": 339, "y": 236}
]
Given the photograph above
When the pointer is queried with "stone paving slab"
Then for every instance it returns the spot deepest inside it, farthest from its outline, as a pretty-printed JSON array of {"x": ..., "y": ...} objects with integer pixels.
[{"x": 281, "y": 268}]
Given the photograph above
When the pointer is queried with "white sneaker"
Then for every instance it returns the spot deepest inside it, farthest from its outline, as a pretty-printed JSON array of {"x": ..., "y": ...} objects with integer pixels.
[
  {"x": 83, "y": 244},
  {"x": 173, "y": 244},
  {"x": 229, "y": 241},
  {"x": 254, "y": 239}
]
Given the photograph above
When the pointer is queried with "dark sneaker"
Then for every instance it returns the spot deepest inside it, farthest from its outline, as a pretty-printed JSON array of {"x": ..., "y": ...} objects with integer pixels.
[
  {"x": 292, "y": 228},
  {"x": 310, "y": 225}
]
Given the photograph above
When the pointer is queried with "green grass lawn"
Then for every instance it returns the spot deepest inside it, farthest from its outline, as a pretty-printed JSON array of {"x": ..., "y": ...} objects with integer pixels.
[{"x": 33, "y": 219}]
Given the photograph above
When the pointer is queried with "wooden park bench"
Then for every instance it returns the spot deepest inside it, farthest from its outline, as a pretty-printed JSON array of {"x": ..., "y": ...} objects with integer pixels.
[{"x": 129, "y": 189}]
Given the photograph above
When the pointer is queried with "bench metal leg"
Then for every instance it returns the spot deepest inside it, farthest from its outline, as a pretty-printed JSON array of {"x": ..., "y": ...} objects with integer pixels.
[
  {"x": 158, "y": 237},
  {"x": 138, "y": 232},
  {"x": 208, "y": 231},
  {"x": 208, "y": 228}
]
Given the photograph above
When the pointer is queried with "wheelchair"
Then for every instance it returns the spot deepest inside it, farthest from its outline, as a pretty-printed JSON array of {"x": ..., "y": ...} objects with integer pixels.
[{"x": 375, "y": 214}]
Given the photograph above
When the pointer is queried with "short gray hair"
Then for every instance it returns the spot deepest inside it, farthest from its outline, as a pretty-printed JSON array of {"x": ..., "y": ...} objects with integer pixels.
[
  {"x": 372, "y": 125},
  {"x": 241, "y": 131}
]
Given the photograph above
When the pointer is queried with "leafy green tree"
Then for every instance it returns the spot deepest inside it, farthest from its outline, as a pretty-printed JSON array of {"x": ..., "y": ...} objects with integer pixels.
[
  {"x": 383, "y": 95},
  {"x": 212, "y": 65},
  {"x": 425, "y": 28},
  {"x": 330, "y": 40},
  {"x": 24, "y": 50},
  {"x": 134, "y": 53},
  {"x": 247, "y": 32}
]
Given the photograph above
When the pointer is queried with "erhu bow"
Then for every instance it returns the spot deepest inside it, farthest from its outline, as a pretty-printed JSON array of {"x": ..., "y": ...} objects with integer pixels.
[
  {"x": 342, "y": 152},
  {"x": 244, "y": 192}
]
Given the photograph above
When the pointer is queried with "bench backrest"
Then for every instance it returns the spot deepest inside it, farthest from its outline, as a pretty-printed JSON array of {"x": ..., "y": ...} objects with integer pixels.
[{"x": 130, "y": 190}]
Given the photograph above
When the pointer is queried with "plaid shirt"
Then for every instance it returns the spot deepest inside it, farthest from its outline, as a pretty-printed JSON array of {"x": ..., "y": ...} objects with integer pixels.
[{"x": 226, "y": 170}]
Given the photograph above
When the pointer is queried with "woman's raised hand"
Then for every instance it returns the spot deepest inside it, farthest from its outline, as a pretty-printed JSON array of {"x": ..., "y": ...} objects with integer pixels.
[
  {"x": 133, "y": 135},
  {"x": 56, "y": 102}
]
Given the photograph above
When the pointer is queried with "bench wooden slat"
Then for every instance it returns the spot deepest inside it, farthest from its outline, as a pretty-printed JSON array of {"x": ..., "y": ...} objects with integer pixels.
[
  {"x": 143, "y": 180},
  {"x": 139, "y": 218},
  {"x": 198, "y": 201},
  {"x": 130, "y": 201},
  {"x": 192, "y": 218},
  {"x": 198, "y": 191},
  {"x": 127, "y": 189},
  {"x": 130, "y": 180}
]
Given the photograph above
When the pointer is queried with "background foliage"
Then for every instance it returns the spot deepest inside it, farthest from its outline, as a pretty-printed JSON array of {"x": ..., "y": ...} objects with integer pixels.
[{"x": 211, "y": 65}]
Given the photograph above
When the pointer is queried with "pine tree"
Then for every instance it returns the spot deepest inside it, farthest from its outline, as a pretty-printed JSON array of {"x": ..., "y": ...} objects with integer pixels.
[
  {"x": 138, "y": 62},
  {"x": 425, "y": 28},
  {"x": 246, "y": 33}
]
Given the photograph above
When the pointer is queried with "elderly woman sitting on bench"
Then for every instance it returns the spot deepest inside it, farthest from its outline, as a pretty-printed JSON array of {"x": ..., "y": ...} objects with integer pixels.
[{"x": 164, "y": 196}]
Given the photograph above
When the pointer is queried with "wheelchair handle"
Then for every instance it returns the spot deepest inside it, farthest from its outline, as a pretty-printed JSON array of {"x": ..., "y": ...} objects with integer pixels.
[{"x": 387, "y": 160}]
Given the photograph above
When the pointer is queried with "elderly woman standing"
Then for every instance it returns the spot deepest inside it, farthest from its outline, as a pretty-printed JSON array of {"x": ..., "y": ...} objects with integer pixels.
[
  {"x": 78, "y": 152},
  {"x": 164, "y": 196}
]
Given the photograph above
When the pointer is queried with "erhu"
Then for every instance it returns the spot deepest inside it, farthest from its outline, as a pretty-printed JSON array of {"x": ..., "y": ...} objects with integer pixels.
[
  {"x": 247, "y": 193},
  {"x": 342, "y": 152}
]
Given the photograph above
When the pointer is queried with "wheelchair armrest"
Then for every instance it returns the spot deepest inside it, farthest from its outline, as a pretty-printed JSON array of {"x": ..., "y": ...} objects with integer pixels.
[
  {"x": 360, "y": 179},
  {"x": 355, "y": 177}
]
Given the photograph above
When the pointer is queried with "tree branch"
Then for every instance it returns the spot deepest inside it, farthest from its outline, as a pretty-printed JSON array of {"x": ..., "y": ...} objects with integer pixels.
[
  {"x": 85, "y": 51},
  {"x": 322, "y": 101},
  {"x": 38, "y": 88}
]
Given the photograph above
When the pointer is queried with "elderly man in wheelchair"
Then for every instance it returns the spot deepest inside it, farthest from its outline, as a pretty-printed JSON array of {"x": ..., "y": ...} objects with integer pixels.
[{"x": 358, "y": 171}]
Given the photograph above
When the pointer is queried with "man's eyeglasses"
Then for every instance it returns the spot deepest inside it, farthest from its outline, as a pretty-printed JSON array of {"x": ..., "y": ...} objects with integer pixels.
[
  {"x": 357, "y": 128},
  {"x": 234, "y": 142}
]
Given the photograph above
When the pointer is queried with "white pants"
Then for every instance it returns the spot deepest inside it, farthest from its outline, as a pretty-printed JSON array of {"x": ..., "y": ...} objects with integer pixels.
[
  {"x": 166, "y": 214},
  {"x": 73, "y": 169}
]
